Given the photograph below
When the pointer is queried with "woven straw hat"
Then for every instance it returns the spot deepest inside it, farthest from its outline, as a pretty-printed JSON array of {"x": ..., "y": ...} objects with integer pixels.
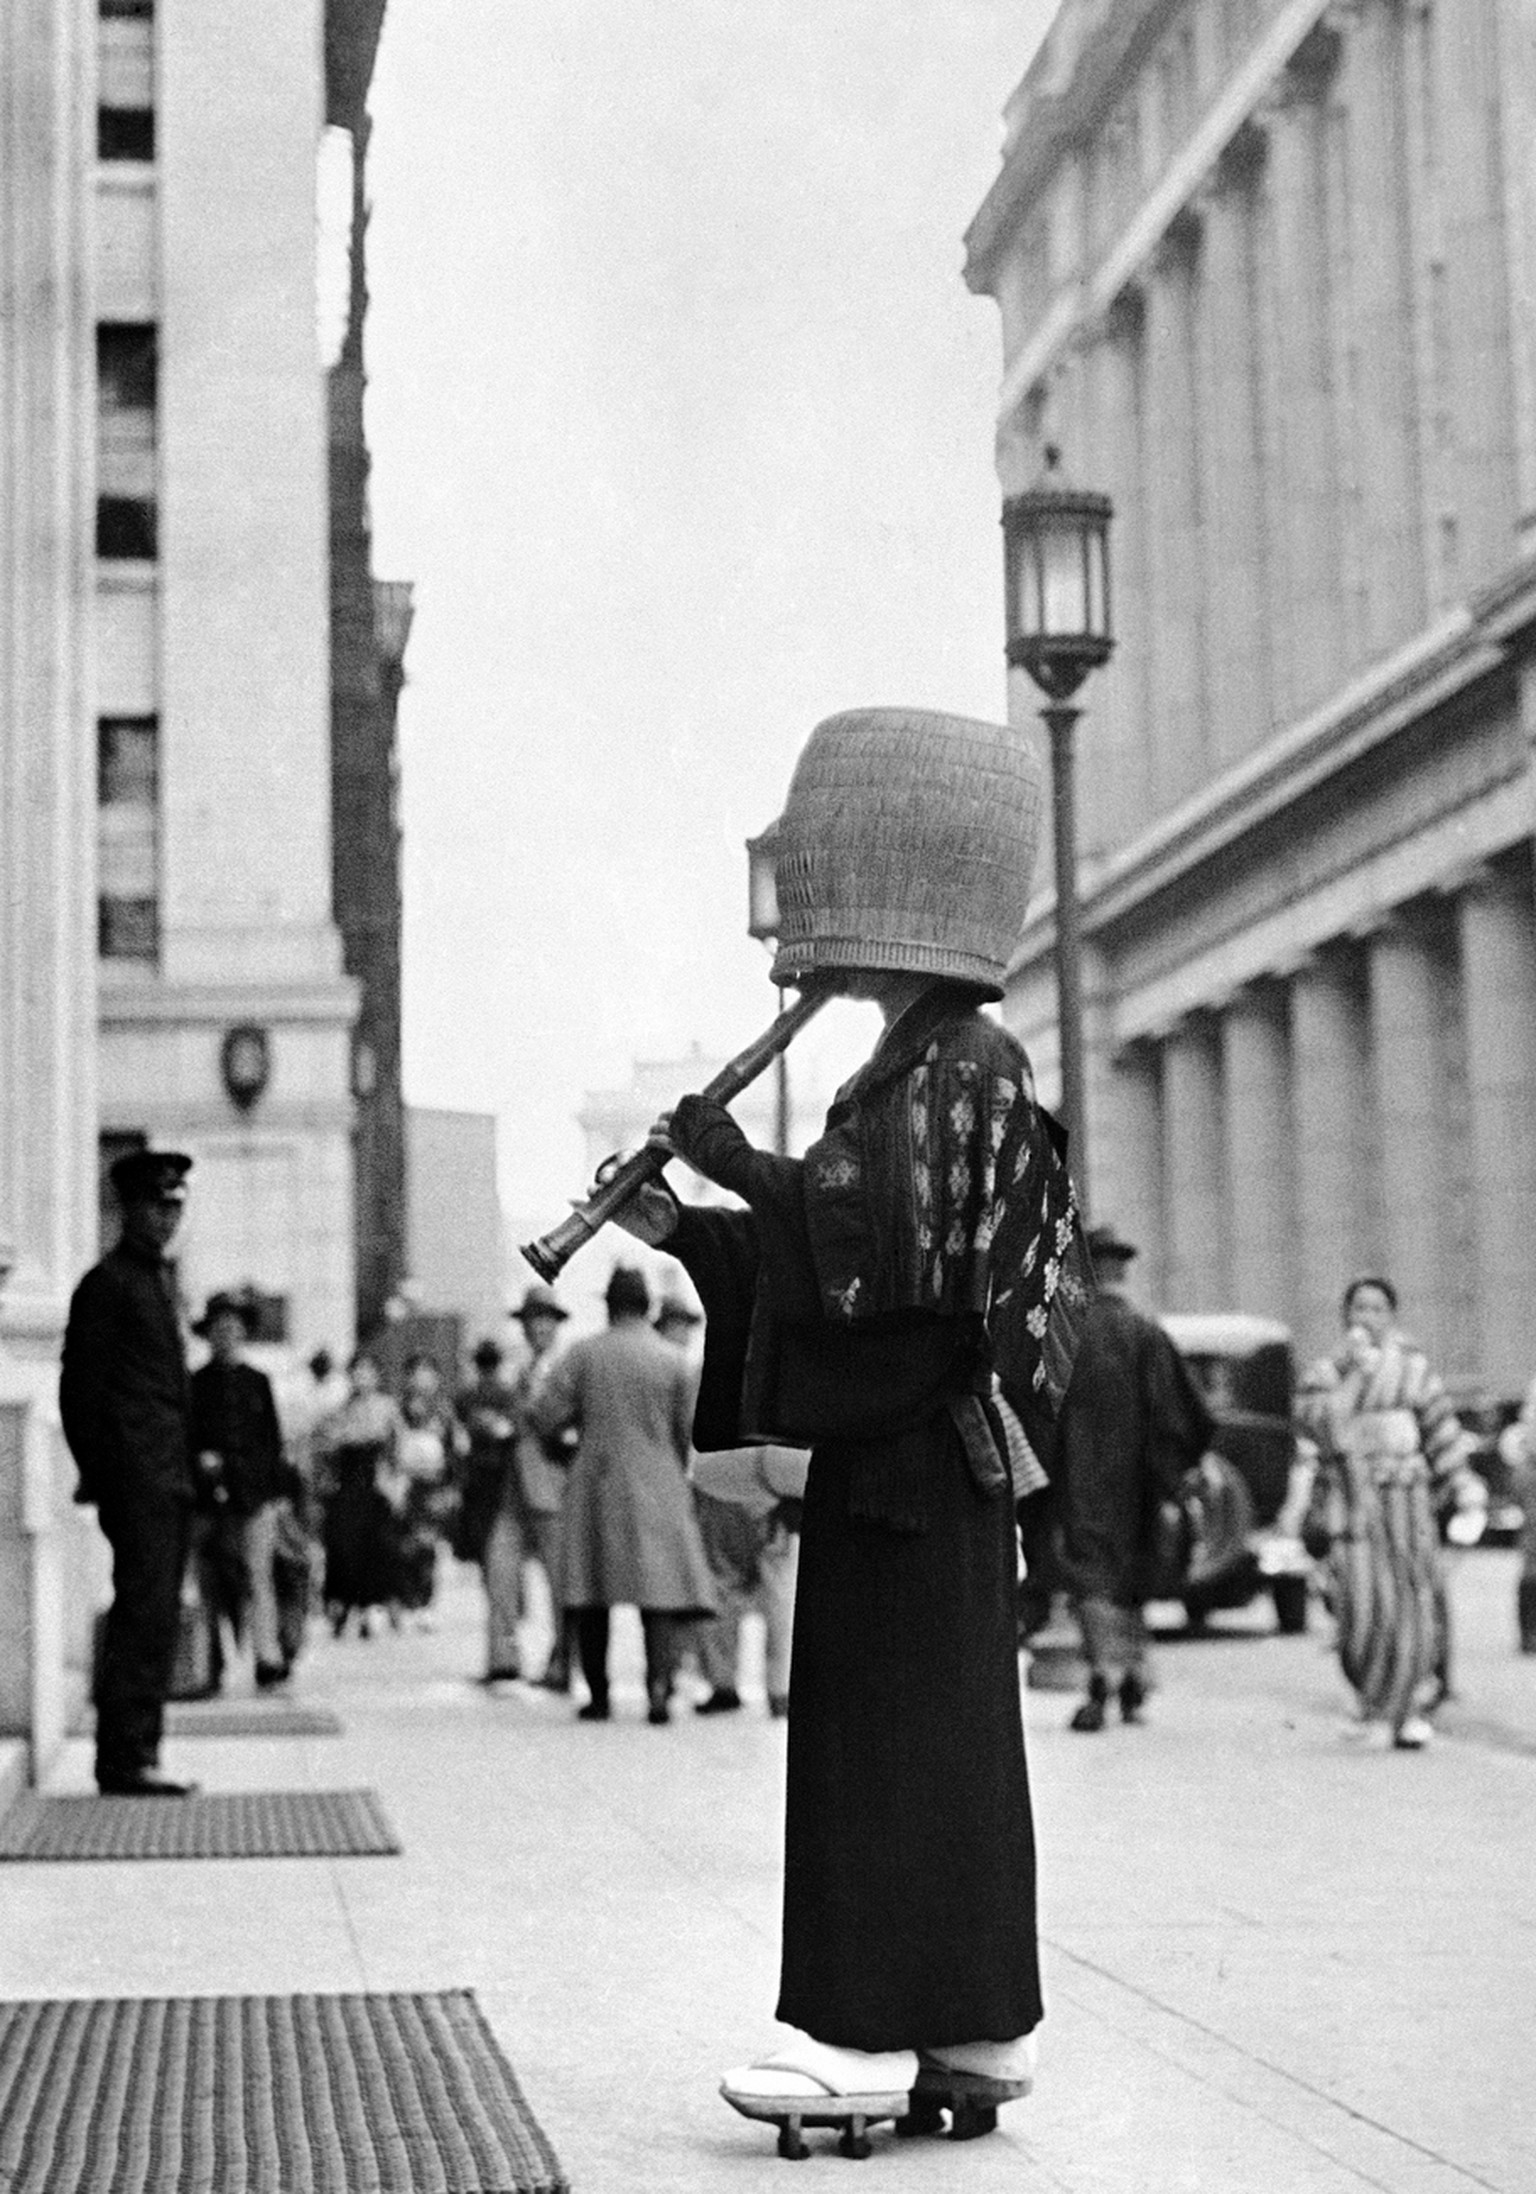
[{"x": 907, "y": 842}]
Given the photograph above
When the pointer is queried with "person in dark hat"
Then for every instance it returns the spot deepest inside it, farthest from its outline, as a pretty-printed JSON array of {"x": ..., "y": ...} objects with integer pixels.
[
  {"x": 1131, "y": 1424},
  {"x": 243, "y": 1481},
  {"x": 486, "y": 1410},
  {"x": 541, "y": 1468},
  {"x": 125, "y": 1401},
  {"x": 628, "y": 1535}
]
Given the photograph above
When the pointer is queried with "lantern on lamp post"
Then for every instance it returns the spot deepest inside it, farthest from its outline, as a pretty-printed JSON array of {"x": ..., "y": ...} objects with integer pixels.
[
  {"x": 763, "y": 924},
  {"x": 1056, "y": 578}
]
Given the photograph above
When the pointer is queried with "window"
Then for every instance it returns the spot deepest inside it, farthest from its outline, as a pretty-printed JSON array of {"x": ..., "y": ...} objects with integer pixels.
[
  {"x": 127, "y": 375},
  {"x": 127, "y": 929},
  {"x": 127, "y": 838},
  {"x": 125, "y": 133},
  {"x": 127, "y": 760}
]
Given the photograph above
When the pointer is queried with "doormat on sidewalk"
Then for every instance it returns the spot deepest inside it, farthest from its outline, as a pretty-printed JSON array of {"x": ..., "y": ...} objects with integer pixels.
[
  {"x": 252, "y": 2094},
  {"x": 236, "y": 1718},
  {"x": 234, "y": 1824}
]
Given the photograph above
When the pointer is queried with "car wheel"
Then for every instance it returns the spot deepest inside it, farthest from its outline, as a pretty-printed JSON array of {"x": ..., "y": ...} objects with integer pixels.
[{"x": 1290, "y": 1598}]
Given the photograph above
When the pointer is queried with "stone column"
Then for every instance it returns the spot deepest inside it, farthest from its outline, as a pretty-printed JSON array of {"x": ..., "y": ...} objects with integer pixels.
[
  {"x": 1498, "y": 969},
  {"x": 1379, "y": 315},
  {"x": 1516, "y": 77},
  {"x": 1471, "y": 322},
  {"x": 1260, "y": 1153},
  {"x": 1306, "y": 607},
  {"x": 1332, "y": 1111},
  {"x": 1115, "y": 784},
  {"x": 47, "y": 825},
  {"x": 1406, "y": 1006},
  {"x": 1237, "y": 669},
  {"x": 1195, "y": 1272},
  {"x": 1128, "y": 1163},
  {"x": 1177, "y": 722}
]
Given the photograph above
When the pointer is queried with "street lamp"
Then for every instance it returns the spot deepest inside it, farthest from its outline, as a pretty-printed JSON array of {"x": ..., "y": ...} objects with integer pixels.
[
  {"x": 763, "y": 923},
  {"x": 1056, "y": 579}
]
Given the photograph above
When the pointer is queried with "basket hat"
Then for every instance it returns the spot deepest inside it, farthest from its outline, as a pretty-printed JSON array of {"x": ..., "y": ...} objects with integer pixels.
[{"x": 907, "y": 842}]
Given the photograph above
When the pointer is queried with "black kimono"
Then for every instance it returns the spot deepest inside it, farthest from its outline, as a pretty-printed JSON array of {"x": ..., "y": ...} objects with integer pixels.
[{"x": 871, "y": 1303}]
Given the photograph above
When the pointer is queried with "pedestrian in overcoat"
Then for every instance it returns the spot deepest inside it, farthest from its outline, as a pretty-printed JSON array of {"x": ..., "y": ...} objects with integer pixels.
[
  {"x": 125, "y": 1400},
  {"x": 239, "y": 1449},
  {"x": 628, "y": 1535},
  {"x": 1131, "y": 1425}
]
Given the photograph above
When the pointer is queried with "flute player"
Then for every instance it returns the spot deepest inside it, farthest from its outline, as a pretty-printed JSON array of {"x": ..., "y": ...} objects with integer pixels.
[{"x": 897, "y": 1301}]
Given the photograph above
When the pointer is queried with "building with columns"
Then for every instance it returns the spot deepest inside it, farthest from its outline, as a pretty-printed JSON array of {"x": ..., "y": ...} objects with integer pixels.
[{"x": 1267, "y": 274}]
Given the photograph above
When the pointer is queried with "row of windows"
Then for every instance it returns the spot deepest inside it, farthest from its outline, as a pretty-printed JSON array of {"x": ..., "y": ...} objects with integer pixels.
[{"x": 125, "y": 69}]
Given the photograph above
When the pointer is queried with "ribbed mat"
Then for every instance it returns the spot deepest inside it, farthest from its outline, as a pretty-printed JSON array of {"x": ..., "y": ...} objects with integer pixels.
[
  {"x": 236, "y": 1718},
  {"x": 264, "y": 2095},
  {"x": 238, "y": 1824}
]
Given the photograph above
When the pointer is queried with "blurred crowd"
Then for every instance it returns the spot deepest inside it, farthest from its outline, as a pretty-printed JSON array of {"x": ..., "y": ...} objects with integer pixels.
[{"x": 565, "y": 1474}]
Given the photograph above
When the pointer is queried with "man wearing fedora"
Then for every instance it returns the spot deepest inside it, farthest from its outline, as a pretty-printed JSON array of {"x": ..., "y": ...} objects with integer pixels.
[
  {"x": 125, "y": 1401},
  {"x": 1131, "y": 1424},
  {"x": 244, "y": 1480},
  {"x": 526, "y": 1523}
]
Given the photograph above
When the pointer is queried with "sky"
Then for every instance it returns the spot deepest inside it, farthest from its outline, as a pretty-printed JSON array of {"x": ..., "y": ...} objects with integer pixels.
[{"x": 682, "y": 426}]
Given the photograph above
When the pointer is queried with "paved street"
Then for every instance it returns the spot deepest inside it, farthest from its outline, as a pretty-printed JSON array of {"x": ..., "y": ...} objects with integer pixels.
[{"x": 1274, "y": 1963}]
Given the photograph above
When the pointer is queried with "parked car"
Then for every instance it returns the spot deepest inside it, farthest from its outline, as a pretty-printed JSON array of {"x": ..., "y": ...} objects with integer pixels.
[{"x": 1253, "y": 1483}]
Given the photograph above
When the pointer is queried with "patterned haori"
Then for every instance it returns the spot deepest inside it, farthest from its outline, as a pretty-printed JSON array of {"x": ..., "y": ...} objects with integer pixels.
[
  {"x": 928, "y": 1243},
  {"x": 1391, "y": 1453}
]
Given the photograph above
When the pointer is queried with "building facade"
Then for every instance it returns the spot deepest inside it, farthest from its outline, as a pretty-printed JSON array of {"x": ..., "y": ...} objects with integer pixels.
[
  {"x": 227, "y": 1011},
  {"x": 170, "y": 968},
  {"x": 1267, "y": 274},
  {"x": 370, "y": 627}
]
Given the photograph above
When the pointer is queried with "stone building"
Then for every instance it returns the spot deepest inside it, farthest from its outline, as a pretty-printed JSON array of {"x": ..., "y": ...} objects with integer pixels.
[
  {"x": 370, "y": 626},
  {"x": 169, "y": 963},
  {"x": 1267, "y": 274},
  {"x": 226, "y": 1011}
]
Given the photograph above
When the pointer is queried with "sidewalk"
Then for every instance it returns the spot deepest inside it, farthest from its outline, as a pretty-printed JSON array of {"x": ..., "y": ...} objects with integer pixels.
[{"x": 1272, "y": 1964}]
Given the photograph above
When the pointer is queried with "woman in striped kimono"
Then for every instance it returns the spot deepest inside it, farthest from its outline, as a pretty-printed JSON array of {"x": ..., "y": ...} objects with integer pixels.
[{"x": 1392, "y": 1457}]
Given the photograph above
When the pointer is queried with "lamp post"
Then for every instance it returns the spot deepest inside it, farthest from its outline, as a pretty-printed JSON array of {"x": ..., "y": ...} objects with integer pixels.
[
  {"x": 763, "y": 923},
  {"x": 1056, "y": 580}
]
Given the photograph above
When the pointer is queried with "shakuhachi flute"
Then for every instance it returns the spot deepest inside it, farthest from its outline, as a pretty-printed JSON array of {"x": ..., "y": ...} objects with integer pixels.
[{"x": 553, "y": 1251}]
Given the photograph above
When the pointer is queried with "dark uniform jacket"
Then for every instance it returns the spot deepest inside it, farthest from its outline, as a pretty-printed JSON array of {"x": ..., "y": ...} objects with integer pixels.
[
  {"x": 235, "y": 1418},
  {"x": 124, "y": 1394}
]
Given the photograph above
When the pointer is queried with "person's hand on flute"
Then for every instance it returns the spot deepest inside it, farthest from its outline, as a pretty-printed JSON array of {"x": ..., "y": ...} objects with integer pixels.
[{"x": 650, "y": 1215}]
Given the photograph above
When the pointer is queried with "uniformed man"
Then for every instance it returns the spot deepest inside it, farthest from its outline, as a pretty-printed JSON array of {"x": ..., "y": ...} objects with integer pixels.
[{"x": 124, "y": 1396}]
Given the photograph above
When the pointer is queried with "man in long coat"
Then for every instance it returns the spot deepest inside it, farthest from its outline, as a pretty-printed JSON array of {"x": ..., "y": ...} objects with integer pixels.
[
  {"x": 125, "y": 1400},
  {"x": 1130, "y": 1426},
  {"x": 245, "y": 1479},
  {"x": 628, "y": 1536}
]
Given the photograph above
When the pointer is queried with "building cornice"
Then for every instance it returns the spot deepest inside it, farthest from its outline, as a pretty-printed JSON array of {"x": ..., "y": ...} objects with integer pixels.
[
  {"x": 1046, "y": 124},
  {"x": 1084, "y": 301},
  {"x": 1466, "y": 645}
]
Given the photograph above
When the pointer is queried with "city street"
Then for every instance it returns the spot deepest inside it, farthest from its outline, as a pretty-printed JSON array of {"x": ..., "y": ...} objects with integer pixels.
[{"x": 1274, "y": 1962}]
